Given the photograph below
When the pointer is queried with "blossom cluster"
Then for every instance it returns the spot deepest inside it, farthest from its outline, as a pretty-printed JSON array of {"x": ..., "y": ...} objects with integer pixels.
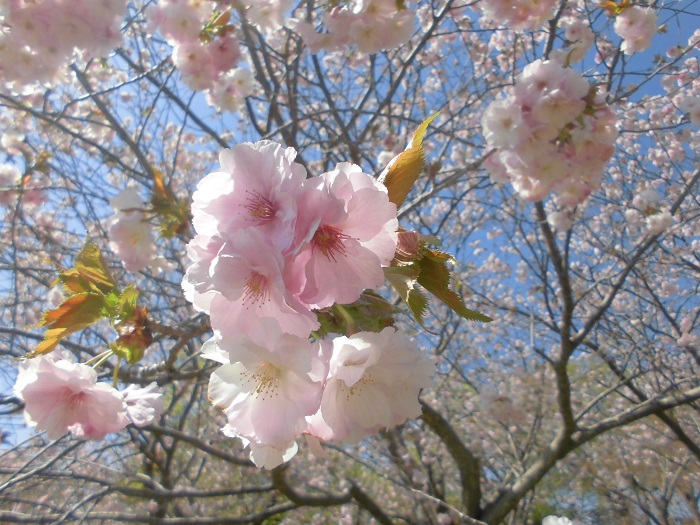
[
  {"x": 30, "y": 190},
  {"x": 41, "y": 36},
  {"x": 272, "y": 248},
  {"x": 10, "y": 177},
  {"x": 550, "y": 133},
  {"x": 268, "y": 15},
  {"x": 579, "y": 40},
  {"x": 371, "y": 25},
  {"x": 62, "y": 396},
  {"x": 691, "y": 106},
  {"x": 636, "y": 25},
  {"x": 518, "y": 15},
  {"x": 206, "y": 62},
  {"x": 130, "y": 235}
]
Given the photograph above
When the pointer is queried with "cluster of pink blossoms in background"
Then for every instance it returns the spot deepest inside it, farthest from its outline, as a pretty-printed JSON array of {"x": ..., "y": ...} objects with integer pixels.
[
  {"x": 206, "y": 65},
  {"x": 371, "y": 25},
  {"x": 271, "y": 248},
  {"x": 518, "y": 14},
  {"x": 550, "y": 134},
  {"x": 130, "y": 235},
  {"x": 63, "y": 396},
  {"x": 40, "y": 37},
  {"x": 636, "y": 25}
]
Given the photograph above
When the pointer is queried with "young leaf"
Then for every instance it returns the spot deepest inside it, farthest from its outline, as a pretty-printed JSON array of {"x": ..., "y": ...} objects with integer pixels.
[
  {"x": 173, "y": 214},
  {"x": 76, "y": 312},
  {"x": 134, "y": 335},
  {"x": 89, "y": 274},
  {"x": 400, "y": 175},
  {"x": 127, "y": 302},
  {"x": 404, "y": 280},
  {"x": 370, "y": 313},
  {"x": 435, "y": 278}
]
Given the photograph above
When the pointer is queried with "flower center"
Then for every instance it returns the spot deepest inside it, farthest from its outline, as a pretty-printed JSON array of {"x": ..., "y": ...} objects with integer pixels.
[
  {"x": 330, "y": 241},
  {"x": 267, "y": 378},
  {"x": 260, "y": 208},
  {"x": 73, "y": 399},
  {"x": 256, "y": 290},
  {"x": 367, "y": 380}
]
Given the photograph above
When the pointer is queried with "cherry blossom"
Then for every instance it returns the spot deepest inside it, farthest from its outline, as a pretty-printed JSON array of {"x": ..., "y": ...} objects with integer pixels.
[
  {"x": 518, "y": 14},
  {"x": 268, "y": 15},
  {"x": 659, "y": 222},
  {"x": 143, "y": 404},
  {"x": 580, "y": 39},
  {"x": 9, "y": 178},
  {"x": 636, "y": 25},
  {"x": 244, "y": 282},
  {"x": 548, "y": 124},
  {"x": 256, "y": 187},
  {"x": 180, "y": 20},
  {"x": 266, "y": 386},
  {"x": 371, "y": 25},
  {"x": 130, "y": 235},
  {"x": 373, "y": 382},
  {"x": 691, "y": 106},
  {"x": 45, "y": 33},
  {"x": 348, "y": 230},
  {"x": 230, "y": 92},
  {"x": 63, "y": 396},
  {"x": 264, "y": 456}
]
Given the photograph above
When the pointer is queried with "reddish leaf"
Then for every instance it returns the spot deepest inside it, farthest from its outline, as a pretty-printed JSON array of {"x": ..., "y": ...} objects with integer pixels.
[{"x": 76, "y": 312}]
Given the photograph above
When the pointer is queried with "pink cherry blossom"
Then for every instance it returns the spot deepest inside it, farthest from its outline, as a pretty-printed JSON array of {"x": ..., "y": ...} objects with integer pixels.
[
  {"x": 240, "y": 280},
  {"x": 551, "y": 134},
  {"x": 659, "y": 222},
  {"x": 10, "y": 177},
  {"x": 143, "y": 404},
  {"x": 691, "y": 106},
  {"x": 268, "y": 15},
  {"x": 256, "y": 186},
  {"x": 45, "y": 34},
  {"x": 636, "y": 25},
  {"x": 180, "y": 20},
  {"x": 266, "y": 385},
  {"x": 130, "y": 235},
  {"x": 230, "y": 92},
  {"x": 373, "y": 382},
  {"x": 62, "y": 396},
  {"x": 264, "y": 456},
  {"x": 372, "y": 25},
  {"x": 580, "y": 39},
  {"x": 518, "y": 14},
  {"x": 348, "y": 227}
]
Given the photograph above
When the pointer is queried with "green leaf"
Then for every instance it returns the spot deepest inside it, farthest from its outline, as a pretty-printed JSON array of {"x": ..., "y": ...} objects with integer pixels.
[
  {"x": 93, "y": 269},
  {"x": 403, "y": 171},
  {"x": 131, "y": 354},
  {"x": 111, "y": 304},
  {"x": 127, "y": 302},
  {"x": 404, "y": 280},
  {"x": 89, "y": 274},
  {"x": 370, "y": 313}
]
